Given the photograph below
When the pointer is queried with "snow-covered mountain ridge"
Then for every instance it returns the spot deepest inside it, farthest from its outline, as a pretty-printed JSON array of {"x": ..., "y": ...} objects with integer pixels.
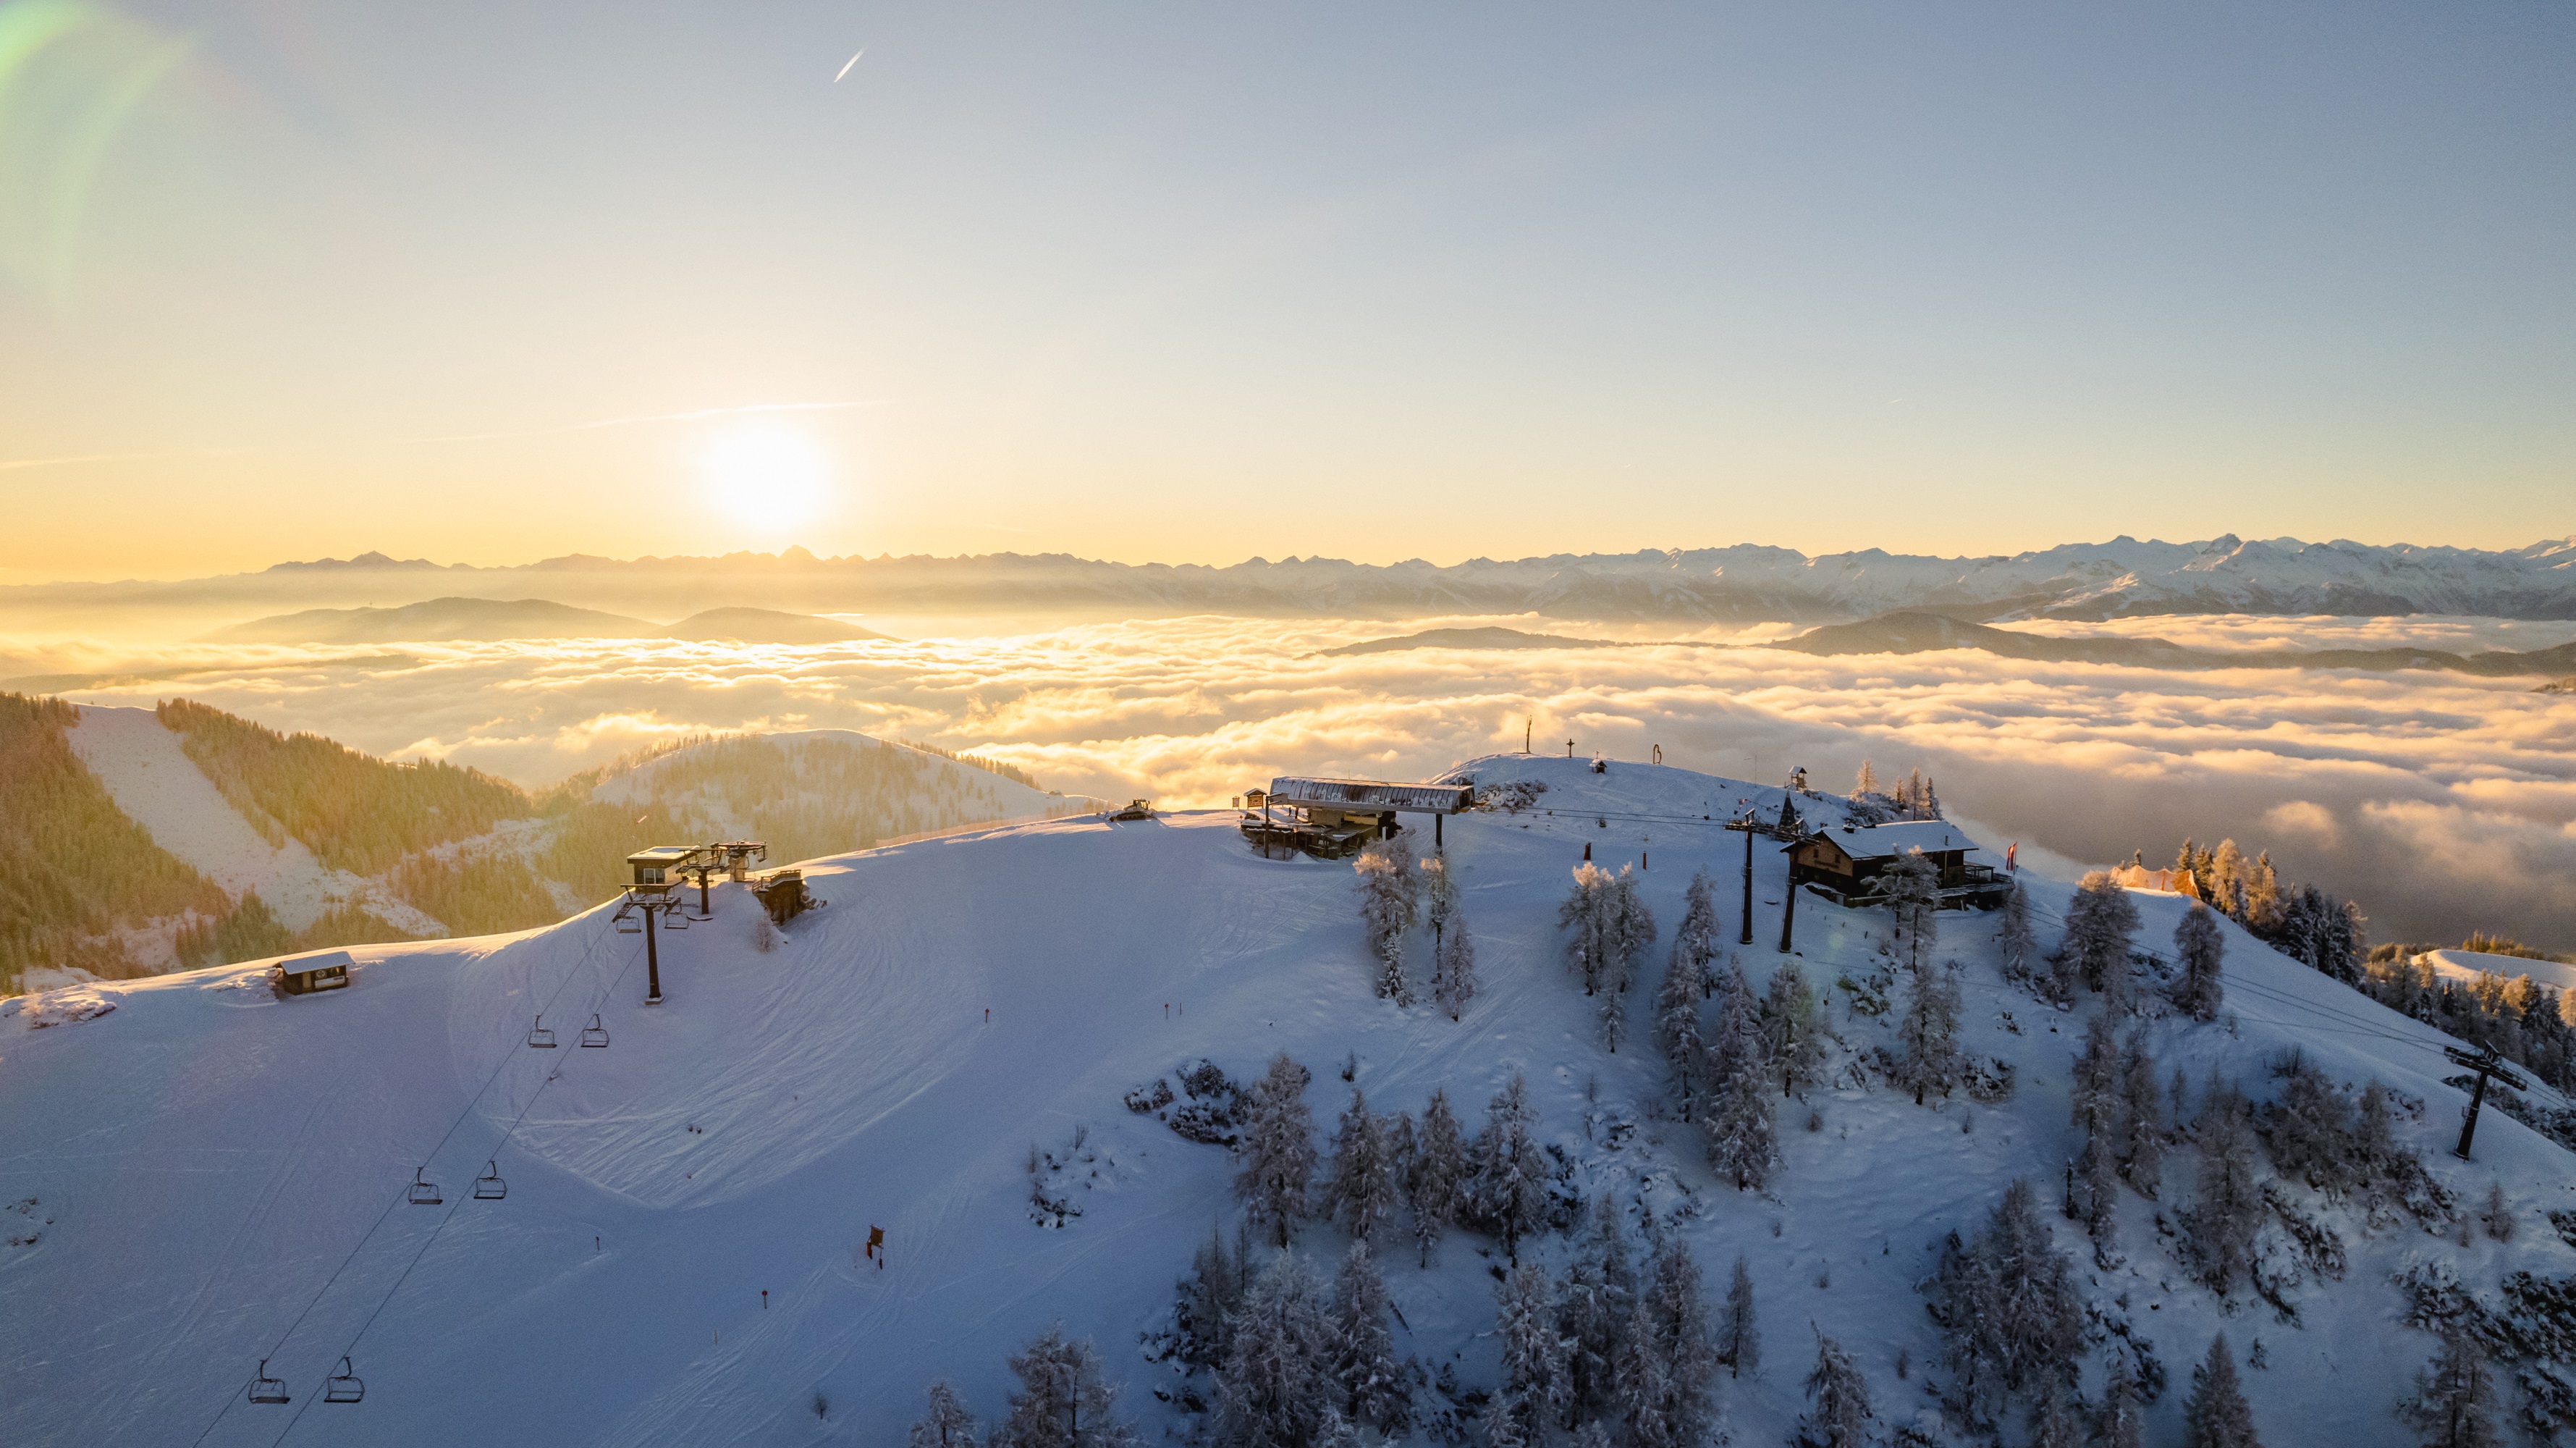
[
  {"x": 1744, "y": 582},
  {"x": 218, "y": 1175}
]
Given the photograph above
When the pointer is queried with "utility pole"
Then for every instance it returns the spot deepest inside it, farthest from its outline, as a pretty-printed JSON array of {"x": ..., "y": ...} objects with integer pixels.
[{"x": 2486, "y": 1063}]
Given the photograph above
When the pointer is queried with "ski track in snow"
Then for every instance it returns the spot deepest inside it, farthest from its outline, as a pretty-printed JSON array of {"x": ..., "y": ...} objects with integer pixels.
[{"x": 211, "y": 1155}]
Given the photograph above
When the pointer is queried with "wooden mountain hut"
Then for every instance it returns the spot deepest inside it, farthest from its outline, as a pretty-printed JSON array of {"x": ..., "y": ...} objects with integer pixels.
[
  {"x": 1847, "y": 863},
  {"x": 305, "y": 974}
]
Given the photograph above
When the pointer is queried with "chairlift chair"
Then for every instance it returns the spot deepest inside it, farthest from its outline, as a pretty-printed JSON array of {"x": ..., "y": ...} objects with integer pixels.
[
  {"x": 626, "y": 923},
  {"x": 594, "y": 1034},
  {"x": 265, "y": 1389},
  {"x": 539, "y": 1037},
  {"x": 489, "y": 1187},
  {"x": 424, "y": 1192},
  {"x": 675, "y": 917},
  {"x": 345, "y": 1385}
]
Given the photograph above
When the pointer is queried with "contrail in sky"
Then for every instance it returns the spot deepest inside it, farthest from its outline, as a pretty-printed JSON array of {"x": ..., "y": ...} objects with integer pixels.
[{"x": 845, "y": 70}]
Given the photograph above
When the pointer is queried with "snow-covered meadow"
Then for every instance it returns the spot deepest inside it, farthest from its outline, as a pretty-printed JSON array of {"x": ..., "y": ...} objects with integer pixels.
[{"x": 216, "y": 1175}]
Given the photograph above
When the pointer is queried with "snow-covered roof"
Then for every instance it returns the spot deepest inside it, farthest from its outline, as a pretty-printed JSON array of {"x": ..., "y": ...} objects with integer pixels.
[
  {"x": 1880, "y": 842},
  {"x": 1370, "y": 794},
  {"x": 325, "y": 960}
]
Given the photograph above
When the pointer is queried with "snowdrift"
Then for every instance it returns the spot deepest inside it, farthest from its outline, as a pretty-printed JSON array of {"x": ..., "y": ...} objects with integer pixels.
[{"x": 208, "y": 1176}]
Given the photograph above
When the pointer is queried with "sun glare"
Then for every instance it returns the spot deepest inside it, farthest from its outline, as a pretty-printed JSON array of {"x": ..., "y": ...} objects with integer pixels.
[{"x": 770, "y": 481}]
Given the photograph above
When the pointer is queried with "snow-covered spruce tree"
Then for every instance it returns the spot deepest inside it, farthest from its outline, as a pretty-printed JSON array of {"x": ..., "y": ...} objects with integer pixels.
[
  {"x": 2200, "y": 947},
  {"x": 1696, "y": 939},
  {"x": 1927, "y": 1036},
  {"x": 2227, "y": 1208},
  {"x": 1208, "y": 1299},
  {"x": 1586, "y": 910},
  {"x": 2215, "y": 1415},
  {"x": 1277, "y": 1149},
  {"x": 2312, "y": 1132},
  {"x": 1675, "y": 1312},
  {"x": 2142, "y": 1127},
  {"x": 2013, "y": 939},
  {"x": 2056, "y": 1418},
  {"x": 1373, "y": 1380},
  {"x": 1841, "y": 1415},
  {"x": 1631, "y": 930},
  {"x": 946, "y": 1423},
  {"x": 2010, "y": 1317},
  {"x": 1361, "y": 1190},
  {"x": 1390, "y": 893},
  {"x": 1063, "y": 1401},
  {"x": 1438, "y": 1176},
  {"x": 2227, "y": 870},
  {"x": 1278, "y": 1381},
  {"x": 1453, "y": 968},
  {"x": 1743, "y": 1139},
  {"x": 1913, "y": 899},
  {"x": 2095, "y": 1198},
  {"x": 1595, "y": 1305},
  {"x": 1439, "y": 894},
  {"x": 1510, "y": 1171},
  {"x": 1739, "y": 1338},
  {"x": 2100, "y": 921},
  {"x": 2121, "y": 1421},
  {"x": 2454, "y": 1400},
  {"x": 1792, "y": 1031},
  {"x": 1678, "y": 1036},
  {"x": 1535, "y": 1381}
]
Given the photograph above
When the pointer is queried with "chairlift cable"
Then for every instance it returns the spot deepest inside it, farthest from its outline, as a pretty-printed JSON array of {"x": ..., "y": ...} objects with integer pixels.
[
  {"x": 589, "y": 953},
  {"x": 450, "y": 1214}
]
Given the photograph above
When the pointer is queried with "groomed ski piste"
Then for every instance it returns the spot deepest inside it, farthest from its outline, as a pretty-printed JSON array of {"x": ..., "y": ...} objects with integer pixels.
[{"x": 215, "y": 1176}]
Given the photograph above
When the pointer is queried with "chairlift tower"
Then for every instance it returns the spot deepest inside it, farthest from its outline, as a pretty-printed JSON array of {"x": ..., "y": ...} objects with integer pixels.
[
  {"x": 2486, "y": 1062},
  {"x": 657, "y": 872},
  {"x": 1745, "y": 825}
]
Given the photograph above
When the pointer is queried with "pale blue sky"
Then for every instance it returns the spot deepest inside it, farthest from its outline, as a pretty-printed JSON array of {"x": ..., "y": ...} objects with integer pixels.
[{"x": 1196, "y": 282}]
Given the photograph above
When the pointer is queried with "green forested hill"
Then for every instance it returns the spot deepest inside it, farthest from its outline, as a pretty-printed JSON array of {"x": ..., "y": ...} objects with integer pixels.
[{"x": 71, "y": 864}]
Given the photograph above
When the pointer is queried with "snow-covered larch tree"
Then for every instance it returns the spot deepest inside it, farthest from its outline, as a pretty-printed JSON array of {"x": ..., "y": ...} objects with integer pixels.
[
  {"x": 1277, "y": 1149},
  {"x": 2095, "y": 1098},
  {"x": 1586, "y": 910},
  {"x": 946, "y": 1423},
  {"x": 2012, "y": 1322},
  {"x": 1063, "y": 1401},
  {"x": 1390, "y": 893},
  {"x": 1739, "y": 1339},
  {"x": 1535, "y": 1381},
  {"x": 1677, "y": 1035},
  {"x": 2455, "y": 1399},
  {"x": 1372, "y": 1378},
  {"x": 1914, "y": 900},
  {"x": 1453, "y": 968},
  {"x": 2100, "y": 921},
  {"x": 2216, "y": 1415},
  {"x": 2142, "y": 1127},
  {"x": 1439, "y": 893},
  {"x": 2227, "y": 1209},
  {"x": 1438, "y": 1174},
  {"x": 1278, "y": 1382},
  {"x": 1927, "y": 1035},
  {"x": 1743, "y": 1140},
  {"x": 1674, "y": 1306},
  {"x": 1696, "y": 939},
  {"x": 1841, "y": 1415},
  {"x": 1791, "y": 1029},
  {"x": 2200, "y": 947},
  {"x": 1511, "y": 1171},
  {"x": 1207, "y": 1302},
  {"x": 1361, "y": 1191},
  {"x": 2013, "y": 938},
  {"x": 1595, "y": 1305}
]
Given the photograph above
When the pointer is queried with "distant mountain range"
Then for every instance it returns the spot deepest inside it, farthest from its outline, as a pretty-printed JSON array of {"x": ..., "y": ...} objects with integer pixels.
[
  {"x": 2089, "y": 581},
  {"x": 1916, "y": 633},
  {"x": 453, "y": 619}
]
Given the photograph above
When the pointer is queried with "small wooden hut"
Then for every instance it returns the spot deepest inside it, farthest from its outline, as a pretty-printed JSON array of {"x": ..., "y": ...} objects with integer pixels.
[{"x": 305, "y": 974}]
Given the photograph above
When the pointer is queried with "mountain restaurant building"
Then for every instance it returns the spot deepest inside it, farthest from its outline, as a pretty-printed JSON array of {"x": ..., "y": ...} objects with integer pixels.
[{"x": 1848, "y": 863}]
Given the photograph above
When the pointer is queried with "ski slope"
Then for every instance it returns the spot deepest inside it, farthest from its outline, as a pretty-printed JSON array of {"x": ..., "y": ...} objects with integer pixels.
[{"x": 219, "y": 1173}]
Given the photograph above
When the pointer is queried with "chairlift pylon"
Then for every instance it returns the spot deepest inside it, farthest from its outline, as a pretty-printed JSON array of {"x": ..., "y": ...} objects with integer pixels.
[
  {"x": 423, "y": 1192},
  {"x": 345, "y": 1385},
  {"x": 539, "y": 1037},
  {"x": 265, "y": 1389},
  {"x": 594, "y": 1034}
]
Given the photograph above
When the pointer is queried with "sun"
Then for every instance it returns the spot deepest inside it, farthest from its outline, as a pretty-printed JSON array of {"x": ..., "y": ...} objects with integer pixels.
[{"x": 770, "y": 481}]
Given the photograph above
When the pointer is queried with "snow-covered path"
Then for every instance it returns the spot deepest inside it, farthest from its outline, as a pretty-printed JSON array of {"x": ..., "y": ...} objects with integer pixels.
[
  {"x": 209, "y": 1156},
  {"x": 160, "y": 788}
]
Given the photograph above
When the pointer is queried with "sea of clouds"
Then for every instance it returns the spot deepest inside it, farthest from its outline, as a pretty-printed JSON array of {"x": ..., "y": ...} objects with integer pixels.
[{"x": 2443, "y": 803}]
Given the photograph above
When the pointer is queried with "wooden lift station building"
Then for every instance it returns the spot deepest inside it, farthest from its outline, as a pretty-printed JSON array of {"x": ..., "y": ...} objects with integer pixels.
[{"x": 1331, "y": 818}]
